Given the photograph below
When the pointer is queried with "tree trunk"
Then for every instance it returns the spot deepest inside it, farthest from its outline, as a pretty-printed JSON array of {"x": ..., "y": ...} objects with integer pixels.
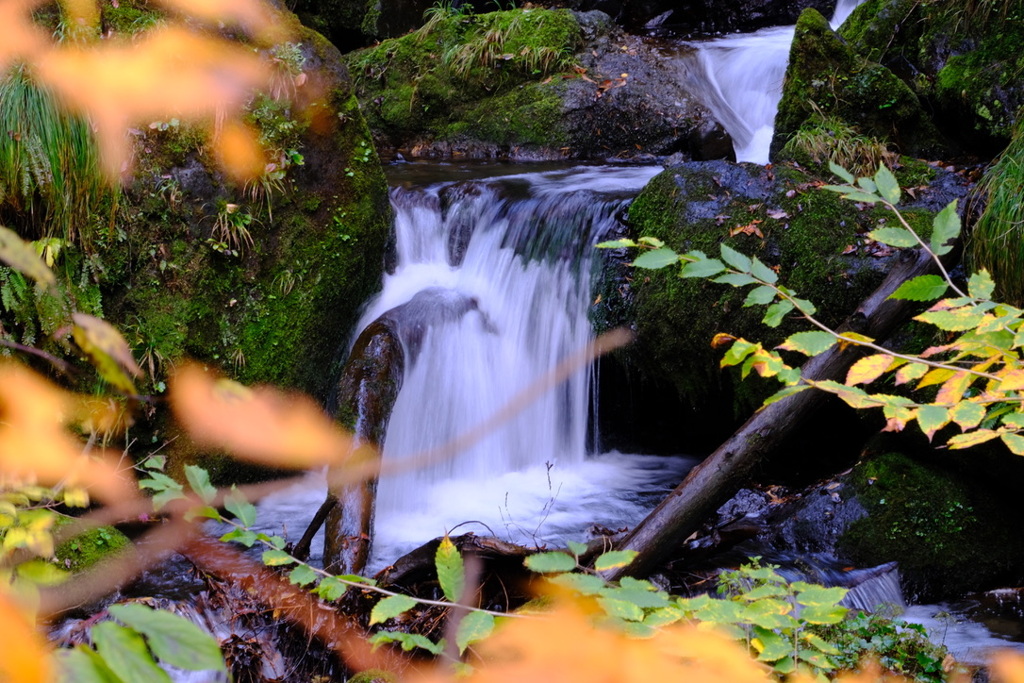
[{"x": 716, "y": 479}]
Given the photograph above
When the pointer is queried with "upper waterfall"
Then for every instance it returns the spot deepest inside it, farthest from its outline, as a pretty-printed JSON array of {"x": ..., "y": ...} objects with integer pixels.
[{"x": 740, "y": 79}]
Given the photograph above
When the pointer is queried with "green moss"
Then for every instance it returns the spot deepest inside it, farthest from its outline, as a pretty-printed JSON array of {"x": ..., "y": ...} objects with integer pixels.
[
  {"x": 87, "y": 549},
  {"x": 128, "y": 17},
  {"x": 948, "y": 536},
  {"x": 825, "y": 76},
  {"x": 481, "y": 73}
]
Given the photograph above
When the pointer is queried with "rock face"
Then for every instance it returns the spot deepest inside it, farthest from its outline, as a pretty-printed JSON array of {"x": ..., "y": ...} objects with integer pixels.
[
  {"x": 826, "y": 77},
  {"x": 965, "y": 62},
  {"x": 524, "y": 84},
  {"x": 778, "y": 214}
]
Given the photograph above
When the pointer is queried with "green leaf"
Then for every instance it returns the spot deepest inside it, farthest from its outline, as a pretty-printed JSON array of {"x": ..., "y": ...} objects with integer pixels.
[
  {"x": 330, "y": 588},
  {"x": 577, "y": 548},
  {"x": 932, "y": 418},
  {"x": 450, "y": 572},
  {"x": 805, "y": 306},
  {"x": 956, "y": 320},
  {"x": 967, "y": 415},
  {"x": 199, "y": 480},
  {"x": 616, "y": 244},
  {"x": 243, "y": 510},
  {"x": 584, "y": 584},
  {"x": 809, "y": 343},
  {"x": 867, "y": 184},
  {"x": 640, "y": 597},
  {"x": 887, "y": 185},
  {"x": 82, "y": 665},
  {"x": 981, "y": 285},
  {"x": 42, "y": 573},
  {"x": 862, "y": 197},
  {"x": 409, "y": 641},
  {"x": 735, "y": 259},
  {"x": 652, "y": 241},
  {"x": 922, "y": 288},
  {"x": 246, "y": 537},
  {"x": 277, "y": 558},
  {"x": 302, "y": 575},
  {"x": 777, "y": 312},
  {"x": 840, "y": 172},
  {"x": 813, "y": 595},
  {"x": 1014, "y": 442},
  {"x": 545, "y": 563},
  {"x": 971, "y": 438},
  {"x": 166, "y": 496},
  {"x": 174, "y": 639},
  {"x": 785, "y": 392},
  {"x": 894, "y": 237},
  {"x": 614, "y": 559},
  {"x": 770, "y": 645},
  {"x": 703, "y": 268},
  {"x": 621, "y": 609},
  {"x": 945, "y": 228},
  {"x": 762, "y": 272},
  {"x": 821, "y": 644},
  {"x": 735, "y": 279},
  {"x": 125, "y": 652},
  {"x": 473, "y": 628},
  {"x": 823, "y": 614},
  {"x": 759, "y": 296},
  {"x": 390, "y": 607},
  {"x": 658, "y": 258},
  {"x": 19, "y": 254}
]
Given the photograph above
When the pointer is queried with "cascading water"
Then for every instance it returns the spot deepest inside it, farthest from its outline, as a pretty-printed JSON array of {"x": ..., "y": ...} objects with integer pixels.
[
  {"x": 493, "y": 280},
  {"x": 739, "y": 78}
]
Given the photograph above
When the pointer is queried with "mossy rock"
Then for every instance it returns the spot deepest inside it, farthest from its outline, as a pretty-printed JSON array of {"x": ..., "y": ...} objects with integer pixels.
[
  {"x": 87, "y": 549},
  {"x": 825, "y": 76},
  {"x": 964, "y": 60},
  {"x": 948, "y": 531},
  {"x": 374, "y": 676},
  {"x": 778, "y": 215},
  {"x": 462, "y": 77}
]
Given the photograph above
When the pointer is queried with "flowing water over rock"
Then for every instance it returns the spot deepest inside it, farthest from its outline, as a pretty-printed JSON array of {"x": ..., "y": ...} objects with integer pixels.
[{"x": 740, "y": 79}]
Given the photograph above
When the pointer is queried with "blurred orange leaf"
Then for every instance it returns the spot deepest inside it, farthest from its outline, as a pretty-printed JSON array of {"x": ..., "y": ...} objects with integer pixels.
[
  {"x": 261, "y": 424},
  {"x": 171, "y": 71},
  {"x": 34, "y": 447},
  {"x": 239, "y": 152},
  {"x": 252, "y": 15},
  {"x": 24, "y": 656},
  {"x": 22, "y": 39}
]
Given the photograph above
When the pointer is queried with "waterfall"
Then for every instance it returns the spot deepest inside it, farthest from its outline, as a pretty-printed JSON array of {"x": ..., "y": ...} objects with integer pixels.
[
  {"x": 493, "y": 277},
  {"x": 739, "y": 78}
]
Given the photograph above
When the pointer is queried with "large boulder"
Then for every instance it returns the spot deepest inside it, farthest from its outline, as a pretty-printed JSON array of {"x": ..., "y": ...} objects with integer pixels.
[
  {"x": 964, "y": 61},
  {"x": 827, "y": 77},
  {"x": 524, "y": 84},
  {"x": 815, "y": 239}
]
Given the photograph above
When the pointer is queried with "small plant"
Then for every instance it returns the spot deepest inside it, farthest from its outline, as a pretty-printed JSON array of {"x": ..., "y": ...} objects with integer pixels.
[
  {"x": 827, "y": 139},
  {"x": 231, "y": 230}
]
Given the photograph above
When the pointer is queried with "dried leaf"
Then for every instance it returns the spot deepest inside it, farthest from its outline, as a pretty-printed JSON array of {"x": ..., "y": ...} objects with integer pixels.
[
  {"x": 261, "y": 424},
  {"x": 107, "y": 349}
]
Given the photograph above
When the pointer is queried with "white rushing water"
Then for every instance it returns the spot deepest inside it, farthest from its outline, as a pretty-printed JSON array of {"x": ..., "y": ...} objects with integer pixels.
[
  {"x": 740, "y": 79},
  {"x": 494, "y": 280}
]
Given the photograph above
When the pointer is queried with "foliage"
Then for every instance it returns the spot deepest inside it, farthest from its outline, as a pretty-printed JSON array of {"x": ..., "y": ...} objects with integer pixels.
[
  {"x": 979, "y": 374},
  {"x": 824, "y": 139},
  {"x": 50, "y": 168},
  {"x": 996, "y": 242}
]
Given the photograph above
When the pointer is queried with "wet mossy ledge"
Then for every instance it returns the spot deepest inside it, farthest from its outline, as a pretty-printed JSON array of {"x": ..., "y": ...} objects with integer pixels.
[
  {"x": 524, "y": 84},
  {"x": 813, "y": 237},
  {"x": 945, "y": 518}
]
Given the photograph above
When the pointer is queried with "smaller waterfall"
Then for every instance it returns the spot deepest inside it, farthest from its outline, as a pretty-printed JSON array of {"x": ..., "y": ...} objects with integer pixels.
[{"x": 739, "y": 78}]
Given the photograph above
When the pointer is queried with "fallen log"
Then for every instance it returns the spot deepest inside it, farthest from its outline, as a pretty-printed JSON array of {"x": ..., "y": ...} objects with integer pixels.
[{"x": 715, "y": 480}]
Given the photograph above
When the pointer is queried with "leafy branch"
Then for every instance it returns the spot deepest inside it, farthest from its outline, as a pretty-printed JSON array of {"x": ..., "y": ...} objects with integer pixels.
[{"x": 979, "y": 374}]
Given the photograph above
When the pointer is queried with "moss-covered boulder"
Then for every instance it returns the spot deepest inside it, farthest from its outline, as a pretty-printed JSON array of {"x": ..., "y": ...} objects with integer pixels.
[
  {"x": 779, "y": 215},
  {"x": 89, "y": 548},
  {"x": 964, "y": 60},
  {"x": 952, "y": 530},
  {"x": 525, "y": 84},
  {"x": 826, "y": 76}
]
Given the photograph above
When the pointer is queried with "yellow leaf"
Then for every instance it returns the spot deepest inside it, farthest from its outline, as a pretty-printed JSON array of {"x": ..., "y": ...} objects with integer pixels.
[
  {"x": 953, "y": 389},
  {"x": 910, "y": 372},
  {"x": 25, "y": 655},
  {"x": 261, "y": 424},
  {"x": 867, "y": 370},
  {"x": 19, "y": 255},
  {"x": 935, "y": 376},
  {"x": 107, "y": 349},
  {"x": 1012, "y": 379}
]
